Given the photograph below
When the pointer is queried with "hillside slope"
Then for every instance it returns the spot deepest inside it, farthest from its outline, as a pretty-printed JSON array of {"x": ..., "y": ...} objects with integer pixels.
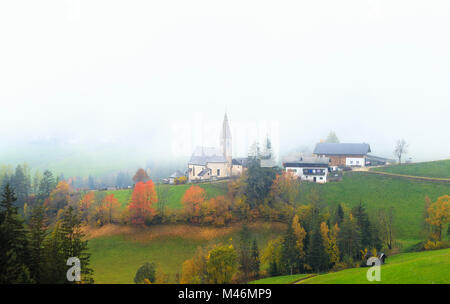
[
  {"x": 428, "y": 267},
  {"x": 439, "y": 169}
]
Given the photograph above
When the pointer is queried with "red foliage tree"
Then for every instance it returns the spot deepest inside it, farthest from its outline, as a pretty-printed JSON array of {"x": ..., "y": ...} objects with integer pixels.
[
  {"x": 192, "y": 201},
  {"x": 140, "y": 207},
  {"x": 140, "y": 176}
]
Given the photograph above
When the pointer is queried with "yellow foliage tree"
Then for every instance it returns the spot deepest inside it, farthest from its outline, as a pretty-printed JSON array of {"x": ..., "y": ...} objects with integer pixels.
[
  {"x": 300, "y": 234},
  {"x": 439, "y": 214}
]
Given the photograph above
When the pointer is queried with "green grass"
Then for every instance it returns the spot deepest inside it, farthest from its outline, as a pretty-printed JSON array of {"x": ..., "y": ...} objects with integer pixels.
[
  {"x": 439, "y": 169},
  {"x": 287, "y": 279},
  {"x": 375, "y": 191},
  {"x": 115, "y": 259},
  {"x": 427, "y": 267},
  {"x": 175, "y": 193}
]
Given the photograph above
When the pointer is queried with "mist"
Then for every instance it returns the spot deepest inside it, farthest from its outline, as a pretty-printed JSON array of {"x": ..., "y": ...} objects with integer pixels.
[{"x": 114, "y": 85}]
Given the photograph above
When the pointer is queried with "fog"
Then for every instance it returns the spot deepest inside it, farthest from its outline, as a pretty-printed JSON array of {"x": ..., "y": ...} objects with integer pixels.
[{"x": 128, "y": 82}]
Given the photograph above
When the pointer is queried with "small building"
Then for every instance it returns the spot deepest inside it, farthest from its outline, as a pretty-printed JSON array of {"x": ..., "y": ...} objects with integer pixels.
[
  {"x": 313, "y": 169},
  {"x": 238, "y": 166},
  {"x": 207, "y": 163},
  {"x": 175, "y": 175},
  {"x": 344, "y": 154}
]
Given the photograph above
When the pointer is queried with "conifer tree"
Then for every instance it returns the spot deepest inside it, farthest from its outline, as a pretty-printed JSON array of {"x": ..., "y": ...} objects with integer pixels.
[
  {"x": 255, "y": 262},
  {"x": 290, "y": 255},
  {"x": 14, "y": 259},
  {"x": 318, "y": 257},
  {"x": 37, "y": 234}
]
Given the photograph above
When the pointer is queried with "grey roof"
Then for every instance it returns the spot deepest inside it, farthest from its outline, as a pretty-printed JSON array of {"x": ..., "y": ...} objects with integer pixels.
[
  {"x": 177, "y": 174},
  {"x": 308, "y": 162},
  {"x": 342, "y": 149},
  {"x": 204, "y": 155},
  {"x": 243, "y": 161},
  {"x": 204, "y": 171}
]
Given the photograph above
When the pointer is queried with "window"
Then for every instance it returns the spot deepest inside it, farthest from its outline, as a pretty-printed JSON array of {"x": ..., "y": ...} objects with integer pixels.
[
  {"x": 321, "y": 178},
  {"x": 218, "y": 172}
]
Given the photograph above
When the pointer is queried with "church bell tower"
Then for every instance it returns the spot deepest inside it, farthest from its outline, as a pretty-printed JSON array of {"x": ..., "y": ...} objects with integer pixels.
[{"x": 225, "y": 140}]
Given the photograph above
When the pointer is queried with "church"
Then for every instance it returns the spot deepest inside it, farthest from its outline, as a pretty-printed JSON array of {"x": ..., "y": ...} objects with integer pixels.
[{"x": 211, "y": 163}]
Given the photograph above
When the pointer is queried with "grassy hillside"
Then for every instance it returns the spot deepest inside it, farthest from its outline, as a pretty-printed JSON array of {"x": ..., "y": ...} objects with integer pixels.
[
  {"x": 375, "y": 191},
  {"x": 439, "y": 169},
  {"x": 117, "y": 252},
  {"x": 428, "y": 267},
  {"x": 175, "y": 192}
]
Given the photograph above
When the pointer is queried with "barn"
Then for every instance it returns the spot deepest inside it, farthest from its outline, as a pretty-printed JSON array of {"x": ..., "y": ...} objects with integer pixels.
[{"x": 344, "y": 154}]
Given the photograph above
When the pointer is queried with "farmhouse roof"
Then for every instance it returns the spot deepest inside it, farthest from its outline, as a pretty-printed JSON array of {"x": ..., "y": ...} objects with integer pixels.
[
  {"x": 342, "y": 149},
  {"x": 204, "y": 155},
  {"x": 308, "y": 162},
  {"x": 243, "y": 161}
]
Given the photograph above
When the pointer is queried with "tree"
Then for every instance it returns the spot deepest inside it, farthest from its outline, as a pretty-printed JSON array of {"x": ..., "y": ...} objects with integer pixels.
[
  {"x": 73, "y": 243},
  {"x": 222, "y": 264},
  {"x": 14, "y": 254},
  {"x": 163, "y": 199},
  {"x": 259, "y": 180},
  {"x": 332, "y": 138},
  {"x": 439, "y": 214},
  {"x": 339, "y": 214},
  {"x": 386, "y": 226},
  {"x": 194, "y": 270},
  {"x": 244, "y": 252},
  {"x": 108, "y": 210},
  {"x": 318, "y": 257},
  {"x": 192, "y": 201},
  {"x": 85, "y": 203},
  {"x": 141, "y": 176},
  {"x": 216, "y": 211},
  {"x": 290, "y": 255},
  {"x": 284, "y": 191},
  {"x": 36, "y": 181},
  {"x": 47, "y": 184},
  {"x": 146, "y": 271},
  {"x": 254, "y": 260},
  {"x": 141, "y": 205},
  {"x": 349, "y": 238},
  {"x": 272, "y": 255},
  {"x": 362, "y": 219},
  {"x": 37, "y": 233},
  {"x": 20, "y": 182},
  {"x": 300, "y": 234},
  {"x": 59, "y": 197},
  {"x": 401, "y": 147}
]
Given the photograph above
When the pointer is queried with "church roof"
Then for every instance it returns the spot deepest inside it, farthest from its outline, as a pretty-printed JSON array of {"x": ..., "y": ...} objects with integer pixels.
[
  {"x": 204, "y": 155},
  {"x": 226, "y": 133}
]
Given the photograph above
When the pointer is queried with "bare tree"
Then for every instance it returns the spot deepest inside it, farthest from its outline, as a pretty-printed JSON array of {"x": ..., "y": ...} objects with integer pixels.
[
  {"x": 385, "y": 226},
  {"x": 401, "y": 147}
]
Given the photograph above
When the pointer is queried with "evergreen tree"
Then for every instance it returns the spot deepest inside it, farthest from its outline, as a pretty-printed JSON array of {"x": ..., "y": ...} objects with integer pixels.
[
  {"x": 255, "y": 262},
  {"x": 339, "y": 214},
  {"x": 318, "y": 257},
  {"x": 14, "y": 259},
  {"x": 47, "y": 184},
  {"x": 37, "y": 234},
  {"x": 362, "y": 220},
  {"x": 244, "y": 252},
  {"x": 290, "y": 255},
  {"x": 349, "y": 238},
  {"x": 21, "y": 185}
]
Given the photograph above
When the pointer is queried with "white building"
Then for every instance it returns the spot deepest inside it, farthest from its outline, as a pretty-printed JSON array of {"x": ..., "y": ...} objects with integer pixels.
[{"x": 313, "y": 169}]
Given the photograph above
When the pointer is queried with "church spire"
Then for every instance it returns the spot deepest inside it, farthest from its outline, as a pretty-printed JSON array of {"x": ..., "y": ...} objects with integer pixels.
[{"x": 225, "y": 139}]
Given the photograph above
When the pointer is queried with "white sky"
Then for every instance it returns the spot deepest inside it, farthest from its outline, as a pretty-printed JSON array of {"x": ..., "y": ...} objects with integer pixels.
[{"x": 132, "y": 72}]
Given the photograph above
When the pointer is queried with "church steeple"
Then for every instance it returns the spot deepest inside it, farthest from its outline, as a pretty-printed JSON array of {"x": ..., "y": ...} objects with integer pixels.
[{"x": 225, "y": 139}]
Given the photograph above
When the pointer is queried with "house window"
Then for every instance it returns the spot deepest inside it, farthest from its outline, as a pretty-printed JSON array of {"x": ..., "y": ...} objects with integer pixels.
[
  {"x": 321, "y": 178},
  {"x": 218, "y": 172}
]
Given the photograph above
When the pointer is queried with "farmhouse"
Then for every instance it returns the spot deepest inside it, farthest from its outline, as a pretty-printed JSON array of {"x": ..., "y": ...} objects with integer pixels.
[
  {"x": 344, "y": 154},
  {"x": 313, "y": 169}
]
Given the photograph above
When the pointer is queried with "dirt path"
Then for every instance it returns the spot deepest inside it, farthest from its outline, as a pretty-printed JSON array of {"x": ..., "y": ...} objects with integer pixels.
[
  {"x": 302, "y": 279},
  {"x": 421, "y": 178}
]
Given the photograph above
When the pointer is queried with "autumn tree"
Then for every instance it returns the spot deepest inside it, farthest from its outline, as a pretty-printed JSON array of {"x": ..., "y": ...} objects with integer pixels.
[
  {"x": 439, "y": 215},
  {"x": 141, "y": 209},
  {"x": 146, "y": 271},
  {"x": 141, "y": 176},
  {"x": 222, "y": 264},
  {"x": 349, "y": 238},
  {"x": 59, "y": 197},
  {"x": 329, "y": 238},
  {"x": 108, "y": 210},
  {"x": 216, "y": 211},
  {"x": 192, "y": 200},
  {"x": 272, "y": 255},
  {"x": 194, "y": 270},
  {"x": 85, "y": 204},
  {"x": 386, "y": 226},
  {"x": 284, "y": 193},
  {"x": 300, "y": 234}
]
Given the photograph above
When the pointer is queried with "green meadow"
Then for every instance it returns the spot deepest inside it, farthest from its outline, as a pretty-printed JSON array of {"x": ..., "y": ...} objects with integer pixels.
[
  {"x": 426, "y": 267},
  {"x": 439, "y": 169},
  {"x": 376, "y": 191}
]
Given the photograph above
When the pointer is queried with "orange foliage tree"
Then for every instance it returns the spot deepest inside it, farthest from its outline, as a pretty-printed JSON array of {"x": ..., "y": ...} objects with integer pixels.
[
  {"x": 216, "y": 211},
  {"x": 192, "y": 200},
  {"x": 108, "y": 210},
  {"x": 140, "y": 207},
  {"x": 59, "y": 197},
  {"x": 85, "y": 204}
]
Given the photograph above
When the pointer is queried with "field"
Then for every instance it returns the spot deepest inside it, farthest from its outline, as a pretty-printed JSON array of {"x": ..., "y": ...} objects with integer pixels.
[
  {"x": 174, "y": 192},
  {"x": 427, "y": 267},
  {"x": 375, "y": 191},
  {"x": 287, "y": 279},
  {"x": 439, "y": 169},
  {"x": 117, "y": 252}
]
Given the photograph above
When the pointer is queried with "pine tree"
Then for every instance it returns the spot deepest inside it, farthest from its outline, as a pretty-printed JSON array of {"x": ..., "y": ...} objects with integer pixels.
[
  {"x": 339, "y": 214},
  {"x": 37, "y": 233},
  {"x": 349, "y": 238},
  {"x": 46, "y": 185},
  {"x": 255, "y": 262},
  {"x": 318, "y": 257},
  {"x": 14, "y": 259},
  {"x": 362, "y": 220},
  {"x": 290, "y": 255},
  {"x": 244, "y": 253}
]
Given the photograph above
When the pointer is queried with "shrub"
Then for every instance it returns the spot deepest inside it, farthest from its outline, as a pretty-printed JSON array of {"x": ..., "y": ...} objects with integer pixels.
[{"x": 146, "y": 271}]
